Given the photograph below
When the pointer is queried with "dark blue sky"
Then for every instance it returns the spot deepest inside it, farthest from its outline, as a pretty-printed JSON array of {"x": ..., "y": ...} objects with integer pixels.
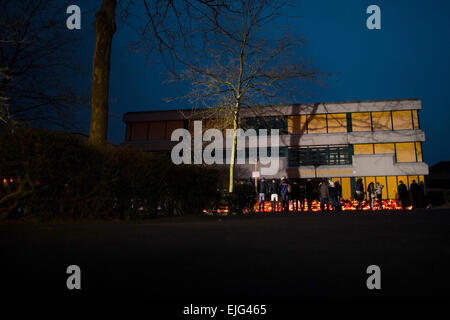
[{"x": 408, "y": 58}]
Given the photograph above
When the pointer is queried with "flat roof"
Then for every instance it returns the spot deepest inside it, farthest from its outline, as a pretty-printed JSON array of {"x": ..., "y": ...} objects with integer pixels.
[{"x": 285, "y": 109}]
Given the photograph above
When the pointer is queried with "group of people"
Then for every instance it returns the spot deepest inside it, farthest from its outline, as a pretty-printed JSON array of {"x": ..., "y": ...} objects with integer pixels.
[
  {"x": 330, "y": 195},
  {"x": 301, "y": 195},
  {"x": 417, "y": 193}
]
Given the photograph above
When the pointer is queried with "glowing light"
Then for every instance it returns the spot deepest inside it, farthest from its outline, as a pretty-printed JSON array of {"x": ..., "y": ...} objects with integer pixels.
[{"x": 347, "y": 205}]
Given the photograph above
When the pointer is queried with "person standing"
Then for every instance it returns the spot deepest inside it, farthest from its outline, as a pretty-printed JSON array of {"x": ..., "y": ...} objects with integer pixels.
[
  {"x": 332, "y": 193},
  {"x": 359, "y": 193},
  {"x": 415, "y": 194},
  {"x": 337, "y": 196},
  {"x": 371, "y": 193},
  {"x": 295, "y": 195},
  {"x": 424, "y": 194},
  {"x": 262, "y": 194},
  {"x": 379, "y": 191},
  {"x": 284, "y": 190},
  {"x": 302, "y": 196},
  {"x": 402, "y": 194},
  {"x": 309, "y": 191},
  {"x": 273, "y": 191},
  {"x": 324, "y": 195}
]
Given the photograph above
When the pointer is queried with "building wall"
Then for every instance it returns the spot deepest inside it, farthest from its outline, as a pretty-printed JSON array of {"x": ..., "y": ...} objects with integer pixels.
[{"x": 383, "y": 138}]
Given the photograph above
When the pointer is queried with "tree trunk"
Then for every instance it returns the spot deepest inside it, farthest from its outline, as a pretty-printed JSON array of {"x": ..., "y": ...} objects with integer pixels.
[
  {"x": 233, "y": 149},
  {"x": 105, "y": 27}
]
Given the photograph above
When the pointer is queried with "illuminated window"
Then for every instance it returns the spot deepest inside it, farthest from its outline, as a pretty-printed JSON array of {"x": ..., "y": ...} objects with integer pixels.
[
  {"x": 157, "y": 130},
  {"x": 346, "y": 188},
  {"x": 404, "y": 179},
  {"x": 382, "y": 181},
  {"x": 297, "y": 124},
  {"x": 419, "y": 152},
  {"x": 139, "y": 131},
  {"x": 368, "y": 181},
  {"x": 363, "y": 149},
  {"x": 337, "y": 122},
  {"x": 361, "y": 121},
  {"x": 415, "y": 119},
  {"x": 402, "y": 120},
  {"x": 410, "y": 180},
  {"x": 405, "y": 152},
  {"x": 391, "y": 187},
  {"x": 317, "y": 123},
  {"x": 384, "y": 148},
  {"x": 381, "y": 121}
]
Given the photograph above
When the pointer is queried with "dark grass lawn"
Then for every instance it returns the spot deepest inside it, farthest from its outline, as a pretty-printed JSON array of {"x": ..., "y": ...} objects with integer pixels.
[{"x": 286, "y": 257}]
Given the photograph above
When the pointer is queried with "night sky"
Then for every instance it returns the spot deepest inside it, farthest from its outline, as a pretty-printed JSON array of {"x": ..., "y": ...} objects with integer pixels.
[{"x": 407, "y": 58}]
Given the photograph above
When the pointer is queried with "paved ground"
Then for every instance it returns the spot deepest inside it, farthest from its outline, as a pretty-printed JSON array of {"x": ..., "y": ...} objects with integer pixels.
[{"x": 247, "y": 259}]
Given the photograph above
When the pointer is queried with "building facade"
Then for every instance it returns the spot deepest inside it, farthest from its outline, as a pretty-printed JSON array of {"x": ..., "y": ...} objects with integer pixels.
[{"x": 378, "y": 141}]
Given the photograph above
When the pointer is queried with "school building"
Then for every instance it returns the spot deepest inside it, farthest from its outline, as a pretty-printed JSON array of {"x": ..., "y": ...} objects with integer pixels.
[{"x": 378, "y": 140}]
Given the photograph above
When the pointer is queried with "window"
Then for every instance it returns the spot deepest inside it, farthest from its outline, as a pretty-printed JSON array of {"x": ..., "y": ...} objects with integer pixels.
[
  {"x": 337, "y": 122},
  {"x": 297, "y": 124},
  {"x": 384, "y": 148},
  {"x": 382, "y": 181},
  {"x": 275, "y": 122},
  {"x": 282, "y": 152},
  {"x": 419, "y": 151},
  {"x": 361, "y": 121},
  {"x": 128, "y": 131},
  {"x": 191, "y": 126},
  {"x": 157, "y": 130},
  {"x": 172, "y": 126},
  {"x": 363, "y": 148},
  {"x": 415, "y": 119},
  {"x": 402, "y": 120},
  {"x": 410, "y": 180},
  {"x": 381, "y": 121},
  {"x": 336, "y": 155},
  {"x": 391, "y": 187},
  {"x": 368, "y": 180},
  {"x": 213, "y": 124},
  {"x": 405, "y": 152},
  {"x": 139, "y": 131},
  {"x": 317, "y": 123},
  {"x": 346, "y": 188}
]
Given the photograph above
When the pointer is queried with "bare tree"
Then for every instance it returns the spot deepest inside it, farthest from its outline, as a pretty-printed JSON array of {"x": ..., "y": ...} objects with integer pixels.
[
  {"x": 36, "y": 64},
  {"x": 239, "y": 61}
]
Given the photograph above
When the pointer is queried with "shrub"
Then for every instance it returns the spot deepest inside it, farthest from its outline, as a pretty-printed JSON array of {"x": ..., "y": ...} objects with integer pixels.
[
  {"x": 242, "y": 199},
  {"x": 55, "y": 176}
]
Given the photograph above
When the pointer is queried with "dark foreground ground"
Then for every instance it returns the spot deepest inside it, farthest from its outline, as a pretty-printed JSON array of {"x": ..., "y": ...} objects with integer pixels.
[{"x": 254, "y": 259}]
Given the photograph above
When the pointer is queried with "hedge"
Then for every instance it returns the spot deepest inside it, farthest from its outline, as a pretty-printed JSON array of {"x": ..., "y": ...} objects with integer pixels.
[{"x": 54, "y": 175}]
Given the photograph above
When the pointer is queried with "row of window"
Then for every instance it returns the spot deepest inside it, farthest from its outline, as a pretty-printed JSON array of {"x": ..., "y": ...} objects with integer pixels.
[
  {"x": 339, "y": 155},
  {"x": 152, "y": 130},
  {"x": 358, "y": 121},
  {"x": 300, "y": 124},
  {"x": 389, "y": 183},
  {"x": 342, "y": 155},
  {"x": 331, "y": 155},
  {"x": 403, "y": 151}
]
